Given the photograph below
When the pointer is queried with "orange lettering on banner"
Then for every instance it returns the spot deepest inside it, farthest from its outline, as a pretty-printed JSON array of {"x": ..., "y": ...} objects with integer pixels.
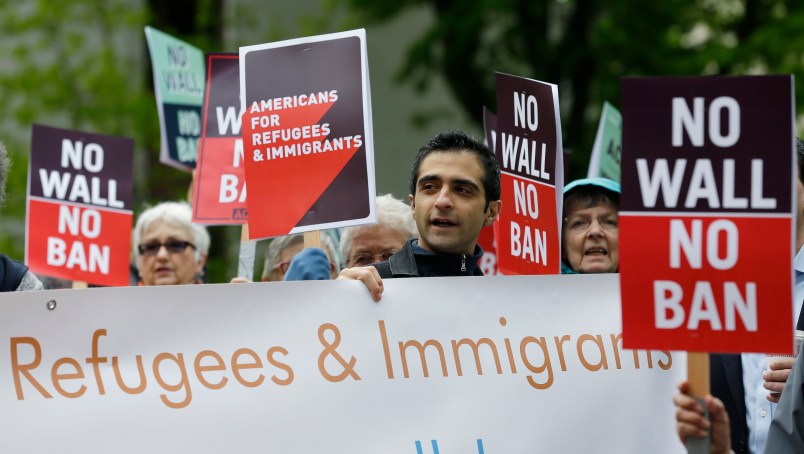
[
  {"x": 597, "y": 340},
  {"x": 96, "y": 361},
  {"x": 508, "y": 348},
  {"x": 18, "y": 369},
  {"x": 616, "y": 340},
  {"x": 184, "y": 383},
  {"x": 560, "y": 349},
  {"x": 456, "y": 345},
  {"x": 403, "y": 346},
  {"x": 546, "y": 365},
  {"x": 636, "y": 359},
  {"x": 58, "y": 377},
  {"x": 238, "y": 366},
  {"x": 386, "y": 350},
  {"x": 271, "y": 352},
  {"x": 217, "y": 367},
  {"x": 141, "y": 371}
]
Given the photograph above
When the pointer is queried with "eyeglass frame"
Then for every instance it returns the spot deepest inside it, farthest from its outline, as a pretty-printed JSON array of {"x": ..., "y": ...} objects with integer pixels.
[
  {"x": 171, "y": 246},
  {"x": 382, "y": 257},
  {"x": 600, "y": 222}
]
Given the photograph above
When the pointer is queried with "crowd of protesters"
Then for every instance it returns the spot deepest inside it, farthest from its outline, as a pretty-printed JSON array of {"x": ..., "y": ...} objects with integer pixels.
[{"x": 454, "y": 193}]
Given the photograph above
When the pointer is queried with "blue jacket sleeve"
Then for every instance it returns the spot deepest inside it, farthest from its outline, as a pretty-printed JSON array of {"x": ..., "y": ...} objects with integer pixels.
[{"x": 311, "y": 264}]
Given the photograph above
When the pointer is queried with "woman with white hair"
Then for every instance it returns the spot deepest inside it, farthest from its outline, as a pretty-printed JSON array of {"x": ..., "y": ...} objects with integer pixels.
[
  {"x": 363, "y": 244},
  {"x": 169, "y": 248}
]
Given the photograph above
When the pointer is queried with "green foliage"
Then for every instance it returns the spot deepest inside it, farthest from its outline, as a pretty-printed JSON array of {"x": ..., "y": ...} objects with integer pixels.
[
  {"x": 586, "y": 46},
  {"x": 67, "y": 72}
]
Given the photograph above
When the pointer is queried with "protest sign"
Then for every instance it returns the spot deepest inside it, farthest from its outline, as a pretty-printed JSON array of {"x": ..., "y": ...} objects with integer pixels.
[
  {"x": 178, "y": 70},
  {"x": 487, "y": 238},
  {"x": 307, "y": 137},
  {"x": 153, "y": 369},
  {"x": 529, "y": 150},
  {"x": 220, "y": 182},
  {"x": 487, "y": 242},
  {"x": 79, "y": 205},
  {"x": 706, "y": 225},
  {"x": 605, "y": 158}
]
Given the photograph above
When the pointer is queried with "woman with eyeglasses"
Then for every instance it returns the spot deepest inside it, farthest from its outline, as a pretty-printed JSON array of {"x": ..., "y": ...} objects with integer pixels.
[
  {"x": 590, "y": 234},
  {"x": 169, "y": 248}
]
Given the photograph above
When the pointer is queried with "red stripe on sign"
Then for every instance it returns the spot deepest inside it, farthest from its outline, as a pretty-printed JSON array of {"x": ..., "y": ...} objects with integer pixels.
[
  {"x": 291, "y": 159},
  {"x": 79, "y": 243},
  {"x": 706, "y": 284}
]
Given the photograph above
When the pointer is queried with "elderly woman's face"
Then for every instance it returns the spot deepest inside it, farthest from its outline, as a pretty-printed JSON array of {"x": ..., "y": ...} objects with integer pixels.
[
  {"x": 167, "y": 255},
  {"x": 592, "y": 238}
]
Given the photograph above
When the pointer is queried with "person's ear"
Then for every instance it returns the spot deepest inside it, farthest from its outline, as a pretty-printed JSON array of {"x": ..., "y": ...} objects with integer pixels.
[
  {"x": 199, "y": 265},
  {"x": 492, "y": 212},
  {"x": 412, "y": 205}
]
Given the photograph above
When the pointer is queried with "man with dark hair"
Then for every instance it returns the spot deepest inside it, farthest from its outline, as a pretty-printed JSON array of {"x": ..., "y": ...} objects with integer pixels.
[
  {"x": 14, "y": 276},
  {"x": 454, "y": 192},
  {"x": 741, "y": 387}
]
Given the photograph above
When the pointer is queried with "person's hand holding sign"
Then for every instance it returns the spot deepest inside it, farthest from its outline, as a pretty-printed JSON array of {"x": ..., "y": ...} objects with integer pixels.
[
  {"x": 690, "y": 421},
  {"x": 776, "y": 377},
  {"x": 369, "y": 276}
]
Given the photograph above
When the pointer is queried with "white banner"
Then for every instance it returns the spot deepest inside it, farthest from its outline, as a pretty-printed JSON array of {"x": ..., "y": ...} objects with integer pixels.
[{"x": 308, "y": 367}]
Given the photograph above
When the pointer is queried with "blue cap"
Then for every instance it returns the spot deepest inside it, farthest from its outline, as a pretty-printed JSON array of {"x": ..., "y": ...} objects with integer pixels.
[{"x": 604, "y": 183}]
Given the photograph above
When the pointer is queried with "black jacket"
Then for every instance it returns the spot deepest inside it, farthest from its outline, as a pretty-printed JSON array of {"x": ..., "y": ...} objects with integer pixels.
[
  {"x": 406, "y": 263},
  {"x": 11, "y": 274}
]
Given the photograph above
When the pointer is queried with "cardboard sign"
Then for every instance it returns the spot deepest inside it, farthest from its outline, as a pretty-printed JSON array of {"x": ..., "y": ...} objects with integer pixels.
[
  {"x": 706, "y": 224},
  {"x": 323, "y": 369},
  {"x": 220, "y": 182},
  {"x": 605, "y": 159},
  {"x": 79, "y": 206},
  {"x": 529, "y": 150},
  {"x": 307, "y": 134},
  {"x": 178, "y": 70}
]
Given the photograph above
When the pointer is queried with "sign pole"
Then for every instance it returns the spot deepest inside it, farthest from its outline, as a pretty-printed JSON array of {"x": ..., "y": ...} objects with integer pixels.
[
  {"x": 312, "y": 239},
  {"x": 248, "y": 250},
  {"x": 698, "y": 379}
]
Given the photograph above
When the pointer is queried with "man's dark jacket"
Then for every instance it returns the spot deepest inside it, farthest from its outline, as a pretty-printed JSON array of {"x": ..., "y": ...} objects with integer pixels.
[
  {"x": 726, "y": 378},
  {"x": 11, "y": 274},
  {"x": 407, "y": 263}
]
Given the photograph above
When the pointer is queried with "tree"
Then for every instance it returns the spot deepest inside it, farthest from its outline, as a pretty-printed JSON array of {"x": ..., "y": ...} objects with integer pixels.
[
  {"x": 84, "y": 65},
  {"x": 585, "y": 46}
]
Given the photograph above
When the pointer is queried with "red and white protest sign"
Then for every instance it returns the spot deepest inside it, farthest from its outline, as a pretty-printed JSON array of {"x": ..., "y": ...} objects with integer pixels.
[
  {"x": 307, "y": 134},
  {"x": 529, "y": 150},
  {"x": 220, "y": 183},
  {"x": 706, "y": 225},
  {"x": 487, "y": 239},
  {"x": 79, "y": 206}
]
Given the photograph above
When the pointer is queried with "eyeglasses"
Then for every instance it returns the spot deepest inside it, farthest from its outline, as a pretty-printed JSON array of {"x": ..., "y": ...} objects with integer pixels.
[
  {"x": 172, "y": 246},
  {"x": 283, "y": 267},
  {"x": 364, "y": 258},
  {"x": 581, "y": 224}
]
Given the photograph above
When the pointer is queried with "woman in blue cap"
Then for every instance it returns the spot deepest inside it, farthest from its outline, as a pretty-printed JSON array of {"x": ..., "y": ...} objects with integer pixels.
[{"x": 590, "y": 235}]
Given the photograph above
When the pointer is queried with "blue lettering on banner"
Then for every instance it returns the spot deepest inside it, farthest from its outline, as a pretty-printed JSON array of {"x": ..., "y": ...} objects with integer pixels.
[{"x": 434, "y": 443}]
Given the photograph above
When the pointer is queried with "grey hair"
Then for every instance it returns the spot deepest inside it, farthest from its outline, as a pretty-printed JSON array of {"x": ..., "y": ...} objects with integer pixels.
[
  {"x": 392, "y": 213},
  {"x": 175, "y": 213},
  {"x": 281, "y": 243},
  {"x": 5, "y": 163}
]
